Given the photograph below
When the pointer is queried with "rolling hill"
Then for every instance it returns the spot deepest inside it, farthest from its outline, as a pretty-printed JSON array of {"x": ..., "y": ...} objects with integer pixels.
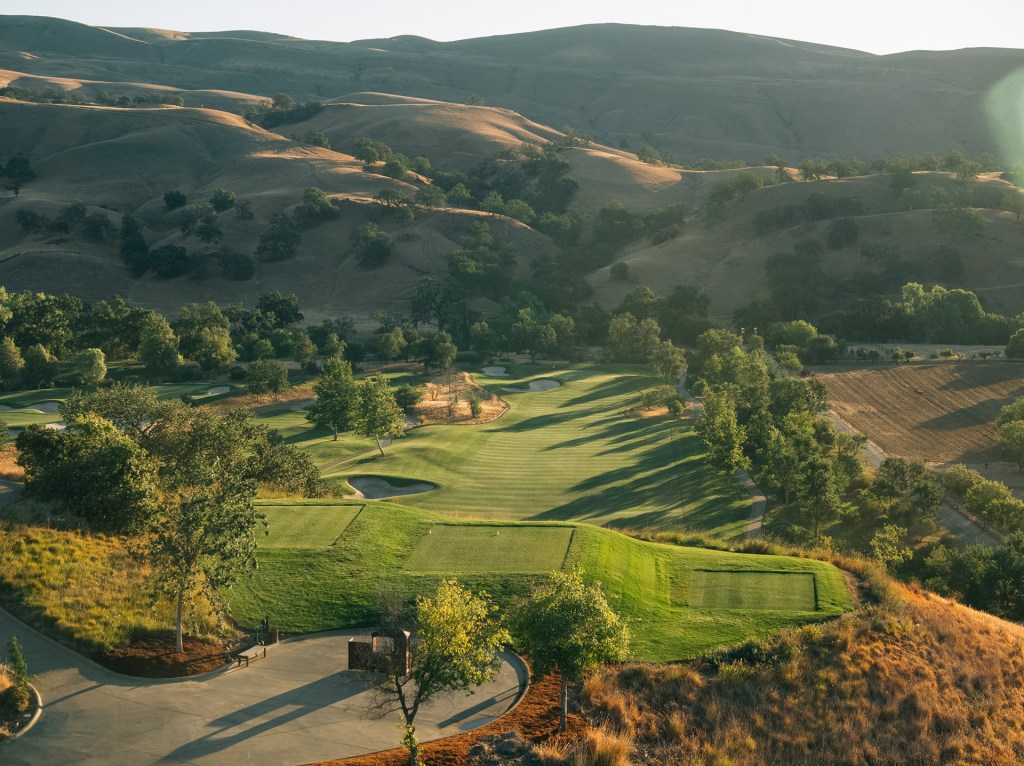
[{"x": 694, "y": 93}]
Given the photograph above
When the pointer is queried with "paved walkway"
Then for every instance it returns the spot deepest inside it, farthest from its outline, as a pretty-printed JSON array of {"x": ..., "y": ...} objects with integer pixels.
[{"x": 296, "y": 706}]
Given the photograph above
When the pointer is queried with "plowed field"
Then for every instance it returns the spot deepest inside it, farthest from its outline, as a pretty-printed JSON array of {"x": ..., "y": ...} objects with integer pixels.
[{"x": 933, "y": 411}]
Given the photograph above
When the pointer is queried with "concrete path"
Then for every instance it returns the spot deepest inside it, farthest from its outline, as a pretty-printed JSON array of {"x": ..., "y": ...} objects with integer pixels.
[
  {"x": 296, "y": 706},
  {"x": 758, "y": 503},
  {"x": 957, "y": 522}
]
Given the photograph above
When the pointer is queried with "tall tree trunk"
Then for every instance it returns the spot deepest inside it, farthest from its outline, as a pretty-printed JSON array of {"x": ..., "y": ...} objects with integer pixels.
[
  {"x": 379, "y": 445},
  {"x": 563, "y": 704},
  {"x": 179, "y": 647},
  {"x": 335, "y": 434}
]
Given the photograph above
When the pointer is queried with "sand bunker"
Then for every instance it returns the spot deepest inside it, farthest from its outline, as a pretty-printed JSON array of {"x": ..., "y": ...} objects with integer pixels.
[
  {"x": 47, "y": 407},
  {"x": 536, "y": 385},
  {"x": 56, "y": 426},
  {"x": 377, "y": 487},
  {"x": 218, "y": 390},
  {"x": 494, "y": 372}
]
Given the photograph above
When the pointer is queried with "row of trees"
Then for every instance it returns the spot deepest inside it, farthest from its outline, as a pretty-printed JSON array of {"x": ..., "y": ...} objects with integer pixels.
[{"x": 46, "y": 338}]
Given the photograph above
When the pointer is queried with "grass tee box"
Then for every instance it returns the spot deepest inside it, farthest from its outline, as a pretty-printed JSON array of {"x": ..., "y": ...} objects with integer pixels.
[
  {"x": 485, "y": 548},
  {"x": 306, "y": 526},
  {"x": 749, "y": 590}
]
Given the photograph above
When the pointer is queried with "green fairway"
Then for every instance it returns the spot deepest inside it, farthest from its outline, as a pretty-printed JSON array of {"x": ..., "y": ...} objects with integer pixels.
[
  {"x": 320, "y": 581},
  {"x": 461, "y": 549},
  {"x": 567, "y": 454},
  {"x": 306, "y": 526},
  {"x": 781, "y": 591}
]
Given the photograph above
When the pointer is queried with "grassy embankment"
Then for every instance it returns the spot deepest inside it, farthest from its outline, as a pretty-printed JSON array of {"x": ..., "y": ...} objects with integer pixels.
[{"x": 326, "y": 566}]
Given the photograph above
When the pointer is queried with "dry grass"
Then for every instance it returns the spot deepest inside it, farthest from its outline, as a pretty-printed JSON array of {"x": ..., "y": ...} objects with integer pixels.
[
  {"x": 923, "y": 681},
  {"x": 456, "y": 387},
  {"x": 9, "y": 468},
  {"x": 82, "y": 588},
  {"x": 937, "y": 411}
]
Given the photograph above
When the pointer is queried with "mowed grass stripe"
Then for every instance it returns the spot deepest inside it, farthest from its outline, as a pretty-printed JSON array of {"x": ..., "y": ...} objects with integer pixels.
[
  {"x": 570, "y": 454},
  {"x": 306, "y": 526},
  {"x": 752, "y": 590},
  {"x": 472, "y": 549}
]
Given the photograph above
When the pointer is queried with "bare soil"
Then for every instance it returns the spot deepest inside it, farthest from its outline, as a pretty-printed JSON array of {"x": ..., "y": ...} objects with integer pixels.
[
  {"x": 443, "y": 389},
  {"x": 939, "y": 412},
  {"x": 154, "y": 657}
]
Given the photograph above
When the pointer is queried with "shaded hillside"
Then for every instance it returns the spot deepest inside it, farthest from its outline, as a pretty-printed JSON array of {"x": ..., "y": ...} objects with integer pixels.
[
  {"x": 692, "y": 93},
  {"x": 124, "y": 160}
]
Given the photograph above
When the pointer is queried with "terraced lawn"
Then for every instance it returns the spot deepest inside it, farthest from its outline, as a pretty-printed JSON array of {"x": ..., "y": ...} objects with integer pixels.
[{"x": 323, "y": 581}]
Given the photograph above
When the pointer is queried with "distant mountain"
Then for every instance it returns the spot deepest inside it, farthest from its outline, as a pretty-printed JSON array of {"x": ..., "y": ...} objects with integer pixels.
[{"x": 687, "y": 92}]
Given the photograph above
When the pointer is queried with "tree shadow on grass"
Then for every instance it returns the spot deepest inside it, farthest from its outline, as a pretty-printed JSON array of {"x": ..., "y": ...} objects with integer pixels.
[{"x": 668, "y": 477}]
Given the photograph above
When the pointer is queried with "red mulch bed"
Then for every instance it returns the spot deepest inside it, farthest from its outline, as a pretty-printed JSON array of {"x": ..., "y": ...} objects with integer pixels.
[
  {"x": 535, "y": 717},
  {"x": 154, "y": 657}
]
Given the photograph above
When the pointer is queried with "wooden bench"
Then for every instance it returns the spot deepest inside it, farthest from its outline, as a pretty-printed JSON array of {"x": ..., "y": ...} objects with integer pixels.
[{"x": 251, "y": 653}]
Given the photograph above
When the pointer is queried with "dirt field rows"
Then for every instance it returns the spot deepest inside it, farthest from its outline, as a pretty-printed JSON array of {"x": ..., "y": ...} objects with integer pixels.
[{"x": 934, "y": 411}]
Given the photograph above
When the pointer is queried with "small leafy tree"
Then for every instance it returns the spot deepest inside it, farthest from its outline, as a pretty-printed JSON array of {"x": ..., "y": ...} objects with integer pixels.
[
  {"x": 158, "y": 346},
  {"x": 457, "y": 643},
  {"x": 90, "y": 366},
  {"x": 337, "y": 397},
  {"x": 11, "y": 362},
  {"x": 888, "y": 548},
  {"x": 21, "y": 690},
  {"x": 1011, "y": 436},
  {"x": 566, "y": 626},
  {"x": 378, "y": 413},
  {"x": 222, "y": 199}
]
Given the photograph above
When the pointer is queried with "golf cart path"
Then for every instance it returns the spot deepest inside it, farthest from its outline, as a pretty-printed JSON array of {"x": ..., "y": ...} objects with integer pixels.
[
  {"x": 957, "y": 522},
  {"x": 297, "y": 705},
  {"x": 758, "y": 501}
]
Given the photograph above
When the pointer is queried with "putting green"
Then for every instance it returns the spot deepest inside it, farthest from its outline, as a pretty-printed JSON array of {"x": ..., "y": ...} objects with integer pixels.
[
  {"x": 473, "y": 549},
  {"x": 306, "y": 526},
  {"x": 749, "y": 590}
]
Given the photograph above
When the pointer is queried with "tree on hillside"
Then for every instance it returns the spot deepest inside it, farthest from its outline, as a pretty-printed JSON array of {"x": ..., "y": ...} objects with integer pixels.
[
  {"x": 812, "y": 169},
  {"x": 19, "y": 172},
  {"x": 222, "y": 199},
  {"x": 40, "y": 366},
  {"x": 457, "y": 642},
  {"x": 566, "y": 626},
  {"x": 373, "y": 245},
  {"x": 888, "y": 547},
  {"x": 377, "y": 413},
  {"x": 280, "y": 240},
  {"x": 430, "y": 197},
  {"x": 1015, "y": 348},
  {"x": 175, "y": 199},
  {"x": 158, "y": 347},
  {"x": 337, "y": 397}
]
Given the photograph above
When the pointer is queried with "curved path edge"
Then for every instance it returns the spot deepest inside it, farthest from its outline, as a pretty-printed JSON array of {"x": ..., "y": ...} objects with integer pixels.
[{"x": 299, "y": 704}]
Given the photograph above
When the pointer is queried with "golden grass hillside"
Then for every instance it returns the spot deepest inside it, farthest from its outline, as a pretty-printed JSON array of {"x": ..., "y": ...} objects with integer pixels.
[
  {"x": 726, "y": 258},
  {"x": 918, "y": 680},
  {"x": 695, "y": 93},
  {"x": 123, "y": 160}
]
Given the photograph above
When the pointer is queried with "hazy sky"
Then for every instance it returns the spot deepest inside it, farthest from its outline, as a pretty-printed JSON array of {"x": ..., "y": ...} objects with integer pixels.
[{"x": 878, "y": 26}]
